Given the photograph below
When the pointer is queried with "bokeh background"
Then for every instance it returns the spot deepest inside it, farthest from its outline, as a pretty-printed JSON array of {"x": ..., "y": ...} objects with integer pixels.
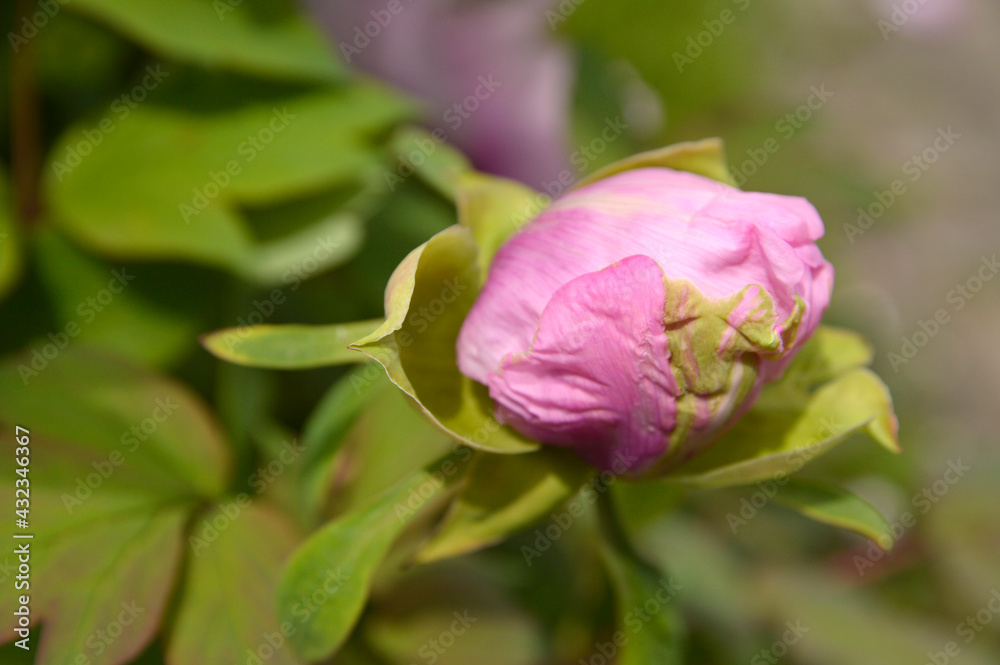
[{"x": 172, "y": 168}]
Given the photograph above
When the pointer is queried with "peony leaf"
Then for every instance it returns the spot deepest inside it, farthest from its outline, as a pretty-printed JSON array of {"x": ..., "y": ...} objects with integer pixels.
[
  {"x": 208, "y": 167},
  {"x": 231, "y": 35},
  {"x": 288, "y": 346},
  {"x": 120, "y": 457},
  {"x": 122, "y": 567},
  {"x": 780, "y": 434},
  {"x": 837, "y": 507},
  {"x": 427, "y": 300},
  {"x": 343, "y": 557},
  {"x": 429, "y": 156},
  {"x": 650, "y": 628},
  {"x": 97, "y": 410},
  {"x": 226, "y": 606},
  {"x": 501, "y": 495},
  {"x": 706, "y": 157},
  {"x": 142, "y": 324},
  {"x": 326, "y": 430}
]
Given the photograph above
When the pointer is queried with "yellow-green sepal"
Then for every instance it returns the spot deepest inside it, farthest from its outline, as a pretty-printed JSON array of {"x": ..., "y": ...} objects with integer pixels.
[
  {"x": 825, "y": 395},
  {"x": 426, "y": 302},
  {"x": 706, "y": 157}
]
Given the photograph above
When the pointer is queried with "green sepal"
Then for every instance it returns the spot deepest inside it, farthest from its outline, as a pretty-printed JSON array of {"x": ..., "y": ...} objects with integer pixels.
[
  {"x": 705, "y": 157},
  {"x": 494, "y": 209},
  {"x": 825, "y": 395},
  {"x": 427, "y": 300}
]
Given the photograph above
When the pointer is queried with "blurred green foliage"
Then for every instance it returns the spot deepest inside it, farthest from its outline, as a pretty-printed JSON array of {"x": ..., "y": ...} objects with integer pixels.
[{"x": 208, "y": 163}]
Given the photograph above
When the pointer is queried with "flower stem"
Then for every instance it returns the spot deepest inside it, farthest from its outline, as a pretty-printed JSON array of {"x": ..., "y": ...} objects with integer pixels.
[
  {"x": 26, "y": 134},
  {"x": 615, "y": 534}
]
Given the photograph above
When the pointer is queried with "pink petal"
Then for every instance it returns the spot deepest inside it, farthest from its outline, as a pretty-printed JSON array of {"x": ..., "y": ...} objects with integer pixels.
[{"x": 597, "y": 376}]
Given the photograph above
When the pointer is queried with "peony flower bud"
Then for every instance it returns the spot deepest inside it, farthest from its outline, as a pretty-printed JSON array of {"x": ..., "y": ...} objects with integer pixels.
[{"x": 637, "y": 317}]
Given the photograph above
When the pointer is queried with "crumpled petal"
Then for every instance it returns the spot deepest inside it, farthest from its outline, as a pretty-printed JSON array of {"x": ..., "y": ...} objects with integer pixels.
[{"x": 597, "y": 377}]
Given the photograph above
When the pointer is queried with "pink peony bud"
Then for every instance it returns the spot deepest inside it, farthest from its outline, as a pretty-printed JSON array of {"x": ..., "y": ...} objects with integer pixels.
[{"x": 639, "y": 316}]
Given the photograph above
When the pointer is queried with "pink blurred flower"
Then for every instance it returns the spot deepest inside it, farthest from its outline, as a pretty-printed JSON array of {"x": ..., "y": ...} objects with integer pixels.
[
  {"x": 639, "y": 316},
  {"x": 440, "y": 50}
]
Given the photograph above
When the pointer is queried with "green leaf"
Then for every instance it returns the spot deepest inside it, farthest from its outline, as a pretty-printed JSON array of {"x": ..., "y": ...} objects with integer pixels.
[
  {"x": 344, "y": 556},
  {"x": 433, "y": 160},
  {"x": 837, "y": 507},
  {"x": 327, "y": 428},
  {"x": 494, "y": 209},
  {"x": 652, "y": 37},
  {"x": 645, "y": 635},
  {"x": 250, "y": 37},
  {"x": 119, "y": 458},
  {"x": 502, "y": 495},
  {"x": 706, "y": 157},
  {"x": 781, "y": 434},
  {"x": 288, "y": 346},
  {"x": 335, "y": 239},
  {"x": 115, "y": 307},
  {"x": 388, "y": 442},
  {"x": 244, "y": 398},
  {"x": 116, "y": 572},
  {"x": 227, "y": 602},
  {"x": 427, "y": 300},
  {"x": 205, "y": 166},
  {"x": 90, "y": 405},
  {"x": 10, "y": 250}
]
